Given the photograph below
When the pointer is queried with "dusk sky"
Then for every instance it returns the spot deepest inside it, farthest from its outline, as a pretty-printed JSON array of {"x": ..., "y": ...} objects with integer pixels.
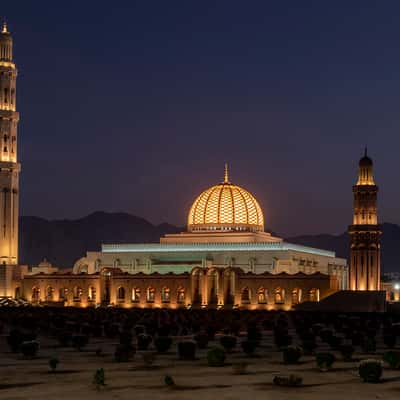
[{"x": 136, "y": 106}]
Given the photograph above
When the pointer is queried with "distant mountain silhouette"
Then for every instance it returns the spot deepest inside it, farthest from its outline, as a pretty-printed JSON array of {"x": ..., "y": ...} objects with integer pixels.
[{"x": 64, "y": 241}]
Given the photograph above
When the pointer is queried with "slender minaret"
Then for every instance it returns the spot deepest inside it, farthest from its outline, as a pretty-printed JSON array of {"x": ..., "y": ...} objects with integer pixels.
[
  {"x": 365, "y": 255},
  {"x": 9, "y": 167}
]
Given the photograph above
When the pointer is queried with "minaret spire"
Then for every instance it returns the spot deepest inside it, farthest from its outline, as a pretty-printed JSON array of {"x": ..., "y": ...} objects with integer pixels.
[
  {"x": 9, "y": 165},
  {"x": 365, "y": 232},
  {"x": 226, "y": 175}
]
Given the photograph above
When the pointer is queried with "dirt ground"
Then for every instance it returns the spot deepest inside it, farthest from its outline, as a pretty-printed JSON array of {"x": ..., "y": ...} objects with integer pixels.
[{"x": 22, "y": 379}]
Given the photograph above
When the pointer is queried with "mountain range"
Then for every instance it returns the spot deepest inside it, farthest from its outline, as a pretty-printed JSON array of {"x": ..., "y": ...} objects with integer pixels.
[{"x": 63, "y": 242}]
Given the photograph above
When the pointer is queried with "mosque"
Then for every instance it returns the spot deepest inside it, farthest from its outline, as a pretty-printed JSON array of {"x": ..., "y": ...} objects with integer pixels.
[{"x": 225, "y": 258}]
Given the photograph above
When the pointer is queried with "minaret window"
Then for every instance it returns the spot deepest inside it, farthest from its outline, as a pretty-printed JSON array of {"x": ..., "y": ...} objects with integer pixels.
[{"x": 5, "y": 95}]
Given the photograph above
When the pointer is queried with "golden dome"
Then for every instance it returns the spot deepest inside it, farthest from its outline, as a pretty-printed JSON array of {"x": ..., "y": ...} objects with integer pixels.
[{"x": 225, "y": 207}]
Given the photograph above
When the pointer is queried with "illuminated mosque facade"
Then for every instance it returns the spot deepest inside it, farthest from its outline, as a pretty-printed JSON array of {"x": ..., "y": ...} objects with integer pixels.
[{"x": 224, "y": 259}]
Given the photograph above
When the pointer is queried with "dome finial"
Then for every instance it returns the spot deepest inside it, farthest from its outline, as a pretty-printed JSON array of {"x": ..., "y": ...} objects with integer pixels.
[
  {"x": 366, "y": 151},
  {"x": 4, "y": 27},
  {"x": 226, "y": 175}
]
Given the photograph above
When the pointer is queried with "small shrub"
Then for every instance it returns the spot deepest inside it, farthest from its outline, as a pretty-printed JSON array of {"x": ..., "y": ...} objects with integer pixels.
[
  {"x": 216, "y": 357},
  {"x": 187, "y": 350},
  {"x": 291, "y": 355},
  {"x": 169, "y": 381},
  {"x": 124, "y": 352},
  {"x": 80, "y": 341},
  {"x": 346, "y": 350},
  {"x": 249, "y": 346},
  {"x": 287, "y": 380},
  {"x": 162, "y": 344},
  {"x": 29, "y": 348},
  {"x": 143, "y": 341},
  {"x": 53, "y": 362},
  {"x": 201, "y": 340},
  {"x": 228, "y": 342},
  {"x": 324, "y": 360},
  {"x": 370, "y": 370},
  {"x": 392, "y": 358},
  {"x": 99, "y": 378},
  {"x": 239, "y": 368}
]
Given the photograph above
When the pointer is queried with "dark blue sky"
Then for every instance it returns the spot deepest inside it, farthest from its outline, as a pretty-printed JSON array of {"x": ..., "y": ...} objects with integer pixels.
[{"x": 136, "y": 106}]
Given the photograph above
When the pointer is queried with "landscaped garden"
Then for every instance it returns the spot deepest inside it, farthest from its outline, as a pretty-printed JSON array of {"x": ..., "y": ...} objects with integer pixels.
[{"x": 69, "y": 353}]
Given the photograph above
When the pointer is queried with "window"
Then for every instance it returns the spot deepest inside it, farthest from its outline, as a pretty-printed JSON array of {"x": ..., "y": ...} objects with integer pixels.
[
  {"x": 262, "y": 295},
  {"x": 314, "y": 294},
  {"x": 296, "y": 296},
  {"x": 165, "y": 295},
  {"x": 245, "y": 295},
  {"x": 49, "y": 293},
  {"x": 92, "y": 293},
  {"x": 136, "y": 295},
  {"x": 279, "y": 296},
  {"x": 151, "y": 295},
  {"x": 181, "y": 295},
  {"x": 35, "y": 294},
  {"x": 63, "y": 293},
  {"x": 121, "y": 294},
  {"x": 77, "y": 293}
]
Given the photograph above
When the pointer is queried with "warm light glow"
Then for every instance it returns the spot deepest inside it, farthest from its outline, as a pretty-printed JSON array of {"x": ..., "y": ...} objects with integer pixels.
[
  {"x": 4, "y": 29},
  {"x": 397, "y": 286},
  {"x": 225, "y": 207},
  {"x": 7, "y": 64}
]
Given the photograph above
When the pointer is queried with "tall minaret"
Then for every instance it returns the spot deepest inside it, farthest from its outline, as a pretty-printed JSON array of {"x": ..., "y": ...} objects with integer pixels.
[
  {"x": 365, "y": 255},
  {"x": 9, "y": 167}
]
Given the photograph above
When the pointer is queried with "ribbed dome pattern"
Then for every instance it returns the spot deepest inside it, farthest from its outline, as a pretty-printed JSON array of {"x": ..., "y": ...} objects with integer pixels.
[{"x": 225, "y": 207}]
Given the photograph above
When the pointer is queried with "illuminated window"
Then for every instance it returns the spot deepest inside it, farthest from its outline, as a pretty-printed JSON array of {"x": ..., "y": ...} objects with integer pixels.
[
  {"x": 151, "y": 295},
  {"x": 262, "y": 295},
  {"x": 63, "y": 293},
  {"x": 135, "y": 294},
  {"x": 49, "y": 293},
  {"x": 279, "y": 296},
  {"x": 35, "y": 294},
  {"x": 77, "y": 293},
  {"x": 296, "y": 296},
  {"x": 165, "y": 295},
  {"x": 92, "y": 294},
  {"x": 181, "y": 295},
  {"x": 314, "y": 294}
]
